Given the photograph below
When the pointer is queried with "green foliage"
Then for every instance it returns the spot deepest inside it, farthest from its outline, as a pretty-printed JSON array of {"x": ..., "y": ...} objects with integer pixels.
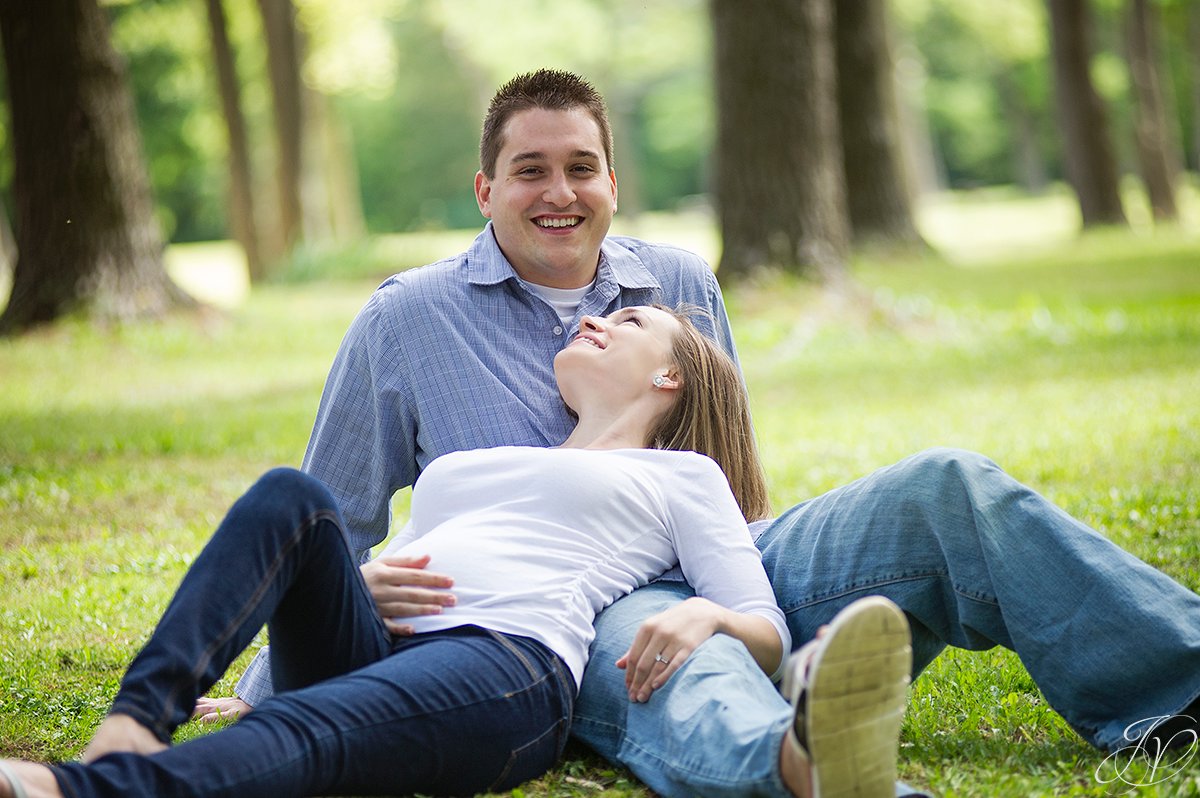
[{"x": 1074, "y": 367}]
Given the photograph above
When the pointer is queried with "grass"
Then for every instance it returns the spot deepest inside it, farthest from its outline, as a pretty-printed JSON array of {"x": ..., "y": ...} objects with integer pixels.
[{"x": 1074, "y": 362}]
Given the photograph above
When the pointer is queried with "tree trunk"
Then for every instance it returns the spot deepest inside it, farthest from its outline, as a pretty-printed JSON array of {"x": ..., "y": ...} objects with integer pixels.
[
  {"x": 877, "y": 193},
  {"x": 1156, "y": 147},
  {"x": 1091, "y": 165},
  {"x": 242, "y": 222},
  {"x": 283, "y": 67},
  {"x": 330, "y": 191},
  {"x": 87, "y": 239},
  {"x": 1193, "y": 53},
  {"x": 780, "y": 188},
  {"x": 1028, "y": 162},
  {"x": 8, "y": 244}
]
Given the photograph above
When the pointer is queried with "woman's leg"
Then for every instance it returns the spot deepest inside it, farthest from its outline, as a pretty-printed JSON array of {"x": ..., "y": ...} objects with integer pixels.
[
  {"x": 280, "y": 556},
  {"x": 976, "y": 560},
  {"x": 451, "y": 713}
]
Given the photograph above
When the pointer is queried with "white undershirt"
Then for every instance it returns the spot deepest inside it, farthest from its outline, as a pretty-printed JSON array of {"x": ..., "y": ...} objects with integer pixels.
[
  {"x": 540, "y": 540},
  {"x": 565, "y": 301}
]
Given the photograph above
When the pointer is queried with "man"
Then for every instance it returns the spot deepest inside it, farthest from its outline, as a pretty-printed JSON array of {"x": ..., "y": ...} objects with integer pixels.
[{"x": 457, "y": 355}]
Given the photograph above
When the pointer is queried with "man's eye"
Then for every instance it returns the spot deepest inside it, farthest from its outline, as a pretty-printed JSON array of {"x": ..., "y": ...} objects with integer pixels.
[
  {"x": 530, "y": 171},
  {"x": 583, "y": 169}
]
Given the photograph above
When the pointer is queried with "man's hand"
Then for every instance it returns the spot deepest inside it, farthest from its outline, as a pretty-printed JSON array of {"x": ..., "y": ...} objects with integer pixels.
[
  {"x": 211, "y": 710},
  {"x": 664, "y": 642},
  {"x": 402, "y": 588}
]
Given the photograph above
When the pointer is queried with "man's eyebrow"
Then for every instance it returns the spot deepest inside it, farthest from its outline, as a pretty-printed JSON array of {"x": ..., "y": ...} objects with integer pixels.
[{"x": 535, "y": 155}]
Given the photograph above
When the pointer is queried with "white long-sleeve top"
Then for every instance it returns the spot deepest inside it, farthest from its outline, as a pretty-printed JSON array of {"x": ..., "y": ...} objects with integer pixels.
[{"x": 540, "y": 540}]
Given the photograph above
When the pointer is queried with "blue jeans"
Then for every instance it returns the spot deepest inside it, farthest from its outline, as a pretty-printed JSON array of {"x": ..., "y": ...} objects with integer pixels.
[
  {"x": 452, "y": 713},
  {"x": 973, "y": 557}
]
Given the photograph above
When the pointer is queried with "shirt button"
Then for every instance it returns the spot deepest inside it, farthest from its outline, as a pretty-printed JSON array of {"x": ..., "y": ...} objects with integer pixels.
[{"x": 557, "y": 330}]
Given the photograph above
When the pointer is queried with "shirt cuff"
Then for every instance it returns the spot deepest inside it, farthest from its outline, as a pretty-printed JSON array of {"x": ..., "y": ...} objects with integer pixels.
[{"x": 255, "y": 685}]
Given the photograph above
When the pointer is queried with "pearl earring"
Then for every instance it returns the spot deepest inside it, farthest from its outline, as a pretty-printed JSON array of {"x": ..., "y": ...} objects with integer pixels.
[{"x": 659, "y": 381}]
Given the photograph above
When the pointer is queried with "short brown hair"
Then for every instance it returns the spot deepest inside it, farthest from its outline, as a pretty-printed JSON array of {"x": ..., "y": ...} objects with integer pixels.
[
  {"x": 712, "y": 415},
  {"x": 548, "y": 89}
]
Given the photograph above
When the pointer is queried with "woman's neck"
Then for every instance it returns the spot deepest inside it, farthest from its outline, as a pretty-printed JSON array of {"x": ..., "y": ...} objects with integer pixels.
[{"x": 625, "y": 430}]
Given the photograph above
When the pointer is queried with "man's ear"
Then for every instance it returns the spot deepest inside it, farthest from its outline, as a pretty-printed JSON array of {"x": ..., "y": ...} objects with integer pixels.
[
  {"x": 612, "y": 177},
  {"x": 483, "y": 194}
]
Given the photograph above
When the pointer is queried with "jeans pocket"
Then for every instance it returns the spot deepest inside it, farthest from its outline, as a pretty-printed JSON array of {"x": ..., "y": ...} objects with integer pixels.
[{"x": 534, "y": 758}]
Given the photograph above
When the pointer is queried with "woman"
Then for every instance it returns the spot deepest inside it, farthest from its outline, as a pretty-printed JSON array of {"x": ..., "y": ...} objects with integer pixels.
[{"x": 540, "y": 540}]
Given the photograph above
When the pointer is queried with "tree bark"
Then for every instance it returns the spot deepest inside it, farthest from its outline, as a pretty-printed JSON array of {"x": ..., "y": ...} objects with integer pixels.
[
  {"x": 1193, "y": 52},
  {"x": 86, "y": 235},
  {"x": 780, "y": 188},
  {"x": 877, "y": 185},
  {"x": 242, "y": 221},
  {"x": 283, "y": 67},
  {"x": 1091, "y": 165},
  {"x": 1156, "y": 146}
]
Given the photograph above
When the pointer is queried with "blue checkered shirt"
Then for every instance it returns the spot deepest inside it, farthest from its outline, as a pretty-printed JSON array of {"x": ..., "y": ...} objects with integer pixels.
[{"x": 459, "y": 355}]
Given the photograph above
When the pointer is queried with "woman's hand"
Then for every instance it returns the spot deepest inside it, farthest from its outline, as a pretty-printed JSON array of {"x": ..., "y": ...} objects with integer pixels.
[
  {"x": 211, "y": 710},
  {"x": 665, "y": 641},
  {"x": 402, "y": 588}
]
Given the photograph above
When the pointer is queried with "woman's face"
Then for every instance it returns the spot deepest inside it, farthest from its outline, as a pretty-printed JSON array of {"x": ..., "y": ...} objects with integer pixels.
[{"x": 619, "y": 354}]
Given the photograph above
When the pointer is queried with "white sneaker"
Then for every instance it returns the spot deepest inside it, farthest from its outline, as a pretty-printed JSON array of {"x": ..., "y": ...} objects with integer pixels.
[{"x": 849, "y": 688}]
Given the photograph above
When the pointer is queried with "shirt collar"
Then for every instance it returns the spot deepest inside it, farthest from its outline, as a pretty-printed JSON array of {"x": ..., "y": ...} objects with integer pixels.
[{"x": 486, "y": 264}]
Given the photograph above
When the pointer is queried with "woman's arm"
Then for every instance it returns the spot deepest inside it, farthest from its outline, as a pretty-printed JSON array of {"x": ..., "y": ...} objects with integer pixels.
[
  {"x": 665, "y": 641},
  {"x": 724, "y": 567}
]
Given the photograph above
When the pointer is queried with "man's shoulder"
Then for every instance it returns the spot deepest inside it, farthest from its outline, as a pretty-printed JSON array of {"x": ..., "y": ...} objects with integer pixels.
[
  {"x": 656, "y": 256},
  {"x": 419, "y": 281}
]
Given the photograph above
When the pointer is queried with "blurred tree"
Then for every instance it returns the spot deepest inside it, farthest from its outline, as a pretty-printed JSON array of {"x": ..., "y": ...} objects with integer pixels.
[
  {"x": 878, "y": 191},
  {"x": 241, "y": 194},
  {"x": 283, "y": 66},
  {"x": 1091, "y": 164},
  {"x": 168, "y": 56},
  {"x": 985, "y": 88},
  {"x": 1153, "y": 134},
  {"x": 86, "y": 236},
  {"x": 8, "y": 244},
  {"x": 780, "y": 186},
  {"x": 1192, "y": 49}
]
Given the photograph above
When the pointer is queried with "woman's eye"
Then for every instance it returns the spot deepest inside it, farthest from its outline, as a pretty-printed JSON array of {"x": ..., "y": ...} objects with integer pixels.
[{"x": 633, "y": 320}]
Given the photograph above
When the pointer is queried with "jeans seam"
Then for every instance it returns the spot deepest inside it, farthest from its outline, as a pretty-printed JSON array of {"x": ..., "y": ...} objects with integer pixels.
[
  {"x": 863, "y": 586},
  {"x": 892, "y": 580},
  {"x": 519, "y": 654},
  {"x": 255, "y": 599}
]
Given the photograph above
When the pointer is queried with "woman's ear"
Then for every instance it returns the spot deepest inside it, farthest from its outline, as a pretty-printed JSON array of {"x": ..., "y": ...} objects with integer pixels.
[{"x": 667, "y": 382}]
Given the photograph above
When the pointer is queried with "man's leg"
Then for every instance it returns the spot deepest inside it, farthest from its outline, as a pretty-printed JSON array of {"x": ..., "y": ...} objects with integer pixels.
[
  {"x": 976, "y": 559},
  {"x": 714, "y": 729}
]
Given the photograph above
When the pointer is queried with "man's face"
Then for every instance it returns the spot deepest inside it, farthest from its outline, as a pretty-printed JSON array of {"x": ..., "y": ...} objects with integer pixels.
[{"x": 552, "y": 198}]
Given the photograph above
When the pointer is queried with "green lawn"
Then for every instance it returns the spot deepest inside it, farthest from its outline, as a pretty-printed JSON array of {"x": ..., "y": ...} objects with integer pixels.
[{"x": 1074, "y": 362}]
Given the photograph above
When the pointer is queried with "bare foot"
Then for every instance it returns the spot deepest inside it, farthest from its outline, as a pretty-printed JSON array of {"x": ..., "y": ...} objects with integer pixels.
[
  {"x": 37, "y": 780},
  {"x": 121, "y": 734}
]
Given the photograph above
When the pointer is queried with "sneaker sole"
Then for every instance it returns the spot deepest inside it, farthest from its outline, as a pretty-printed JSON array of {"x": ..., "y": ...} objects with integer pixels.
[{"x": 857, "y": 692}]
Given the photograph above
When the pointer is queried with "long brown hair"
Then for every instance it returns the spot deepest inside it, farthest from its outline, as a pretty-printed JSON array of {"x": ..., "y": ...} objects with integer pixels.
[{"x": 711, "y": 415}]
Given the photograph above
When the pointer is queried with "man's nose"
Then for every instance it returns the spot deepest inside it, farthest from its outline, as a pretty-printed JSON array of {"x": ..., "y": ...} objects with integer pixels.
[{"x": 559, "y": 191}]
